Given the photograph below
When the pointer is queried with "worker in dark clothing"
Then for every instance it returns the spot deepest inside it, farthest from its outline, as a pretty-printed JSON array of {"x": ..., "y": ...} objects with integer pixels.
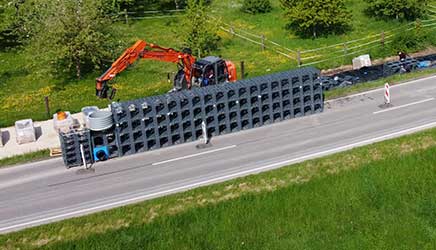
[
  {"x": 402, "y": 56},
  {"x": 209, "y": 78}
]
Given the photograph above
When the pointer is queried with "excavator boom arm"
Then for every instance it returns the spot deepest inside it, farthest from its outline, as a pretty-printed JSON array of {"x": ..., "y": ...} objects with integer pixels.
[
  {"x": 128, "y": 57},
  {"x": 139, "y": 50}
]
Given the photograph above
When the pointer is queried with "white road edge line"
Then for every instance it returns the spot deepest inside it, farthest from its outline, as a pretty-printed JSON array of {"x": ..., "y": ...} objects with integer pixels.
[
  {"x": 222, "y": 178},
  {"x": 193, "y": 155},
  {"x": 403, "y": 106}
]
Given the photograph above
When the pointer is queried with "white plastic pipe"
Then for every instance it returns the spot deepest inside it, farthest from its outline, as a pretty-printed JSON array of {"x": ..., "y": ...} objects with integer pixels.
[
  {"x": 82, "y": 152},
  {"x": 203, "y": 128}
]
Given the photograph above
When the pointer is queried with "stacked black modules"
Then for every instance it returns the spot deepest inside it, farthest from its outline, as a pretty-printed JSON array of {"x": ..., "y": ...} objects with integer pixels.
[
  {"x": 396, "y": 67},
  {"x": 160, "y": 121},
  {"x": 70, "y": 145}
]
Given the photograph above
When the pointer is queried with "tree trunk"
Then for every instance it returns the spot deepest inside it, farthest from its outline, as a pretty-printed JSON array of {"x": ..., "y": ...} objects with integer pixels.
[
  {"x": 176, "y": 2},
  {"x": 78, "y": 73}
]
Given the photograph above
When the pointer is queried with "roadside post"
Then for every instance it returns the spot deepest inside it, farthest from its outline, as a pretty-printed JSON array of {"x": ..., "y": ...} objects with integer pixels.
[
  {"x": 82, "y": 152},
  {"x": 206, "y": 138},
  {"x": 387, "y": 94},
  {"x": 204, "y": 130}
]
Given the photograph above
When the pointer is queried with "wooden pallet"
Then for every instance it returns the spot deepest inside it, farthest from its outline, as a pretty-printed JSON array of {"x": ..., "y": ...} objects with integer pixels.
[{"x": 54, "y": 152}]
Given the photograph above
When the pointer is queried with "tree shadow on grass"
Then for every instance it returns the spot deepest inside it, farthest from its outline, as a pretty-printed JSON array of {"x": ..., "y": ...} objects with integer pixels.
[{"x": 8, "y": 75}]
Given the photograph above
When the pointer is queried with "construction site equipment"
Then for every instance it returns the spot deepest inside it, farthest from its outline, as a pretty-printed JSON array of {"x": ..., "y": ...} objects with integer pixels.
[
  {"x": 86, "y": 111},
  {"x": 397, "y": 67},
  {"x": 387, "y": 94},
  {"x": 361, "y": 61},
  {"x": 25, "y": 131},
  {"x": 178, "y": 117},
  {"x": 100, "y": 120},
  {"x": 70, "y": 144},
  {"x": 191, "y": 72},
  {"x": 63, "y": 121},
  {"x": 55, "y": 152}
]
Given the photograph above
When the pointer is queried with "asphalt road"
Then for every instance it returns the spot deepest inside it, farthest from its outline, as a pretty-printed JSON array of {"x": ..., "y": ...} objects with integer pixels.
[{"x": 43, "y": 192}]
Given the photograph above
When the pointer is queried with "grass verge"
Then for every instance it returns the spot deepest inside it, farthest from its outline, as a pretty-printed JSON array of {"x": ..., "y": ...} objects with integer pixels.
[
  {"x": 379, "y": 196},
  {"x": 29, "y": 157}
]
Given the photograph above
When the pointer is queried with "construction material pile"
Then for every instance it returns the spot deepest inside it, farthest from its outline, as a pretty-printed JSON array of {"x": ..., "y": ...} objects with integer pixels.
[
  {"x": 160, "y": 121},
  {"x": 375, "y": 72}
]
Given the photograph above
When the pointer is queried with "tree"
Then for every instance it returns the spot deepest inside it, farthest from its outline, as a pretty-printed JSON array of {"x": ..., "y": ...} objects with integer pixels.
[
  {"x": 9, "y": 25},
  {"x": 398, "y": 9},
  {"x": 70, "y": 36},
  {"x": 5, "y": 14},
  {"x": 146, "y": 5},
  {"x": 256, "y": 6},
  {"x": 198, "y": 32},
  {"x": 316, "y": 17}
]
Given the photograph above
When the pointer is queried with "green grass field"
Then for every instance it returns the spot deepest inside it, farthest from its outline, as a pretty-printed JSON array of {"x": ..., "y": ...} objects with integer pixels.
[
  {"x": 23, "y": 88},
  {"x": 379, "y": 196}
]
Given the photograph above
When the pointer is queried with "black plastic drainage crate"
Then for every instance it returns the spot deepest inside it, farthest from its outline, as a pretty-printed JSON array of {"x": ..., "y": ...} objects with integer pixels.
[{"x": 70, "y": 145}]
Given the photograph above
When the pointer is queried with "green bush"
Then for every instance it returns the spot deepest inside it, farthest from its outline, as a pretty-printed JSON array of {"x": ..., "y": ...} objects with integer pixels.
[
  {"x": 397, "y": 9},
  {"x": 411, "y": 40},
  {"x": 147, "y": 5},
  {"x": 256, "y": 6},
  {"x": 198, "y": 33},
  {"x": 313, "y": 18}
]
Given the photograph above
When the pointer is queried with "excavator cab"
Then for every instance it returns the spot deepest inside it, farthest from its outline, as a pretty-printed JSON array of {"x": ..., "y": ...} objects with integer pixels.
[{"x": 210, "y": 70}]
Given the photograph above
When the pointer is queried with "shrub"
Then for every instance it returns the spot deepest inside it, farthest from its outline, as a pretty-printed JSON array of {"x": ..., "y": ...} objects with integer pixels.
[
  {"x": 256, "y": 6},
  {"x": 396, "y": 9},
  {"x": 198, "y": 33},
  {"x": 410, "y": 41},
  {"x": 316, "y": 17}
]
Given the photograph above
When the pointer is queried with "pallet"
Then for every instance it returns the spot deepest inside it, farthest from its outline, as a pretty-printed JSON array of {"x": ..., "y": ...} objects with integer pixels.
[{"x": 55, "y": 152}]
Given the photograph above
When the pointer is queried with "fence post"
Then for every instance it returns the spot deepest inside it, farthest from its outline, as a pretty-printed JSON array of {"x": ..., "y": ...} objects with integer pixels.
[
  {"x": 242, "y": 70},
  {"x": 345, "y": 49},
  {"x": 232, "y": 31},
  {"x": 417, "y": 23},
  {"x": 263, "y": 42},
  {"x": 299, "y": 58},
  {"x": 47, "y": 106},
  {"x": 382, "y": 39},
  {"x": 126, "y": 16}
]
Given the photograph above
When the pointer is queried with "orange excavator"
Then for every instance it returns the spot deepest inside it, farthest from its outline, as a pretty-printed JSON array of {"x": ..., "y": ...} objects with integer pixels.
[{"x": 191, "y": 72}]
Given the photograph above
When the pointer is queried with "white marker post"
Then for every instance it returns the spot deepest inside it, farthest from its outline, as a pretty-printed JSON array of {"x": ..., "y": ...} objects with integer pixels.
[
  {"x": 82, "y": 152},
  {"x": 387, "y": 94},
  {"x": 203, "y": 127}
]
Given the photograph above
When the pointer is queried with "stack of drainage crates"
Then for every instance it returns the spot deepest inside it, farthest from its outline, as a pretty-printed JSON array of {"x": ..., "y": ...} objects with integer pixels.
[
  {"x": 392, "y": 68},
  {"x": 70, "y": 145},
  {"x": 160, "y": 121}
]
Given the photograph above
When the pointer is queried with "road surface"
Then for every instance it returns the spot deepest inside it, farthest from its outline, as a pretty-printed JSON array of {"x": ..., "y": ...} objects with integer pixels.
[{"x": 43, "y": 192}]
